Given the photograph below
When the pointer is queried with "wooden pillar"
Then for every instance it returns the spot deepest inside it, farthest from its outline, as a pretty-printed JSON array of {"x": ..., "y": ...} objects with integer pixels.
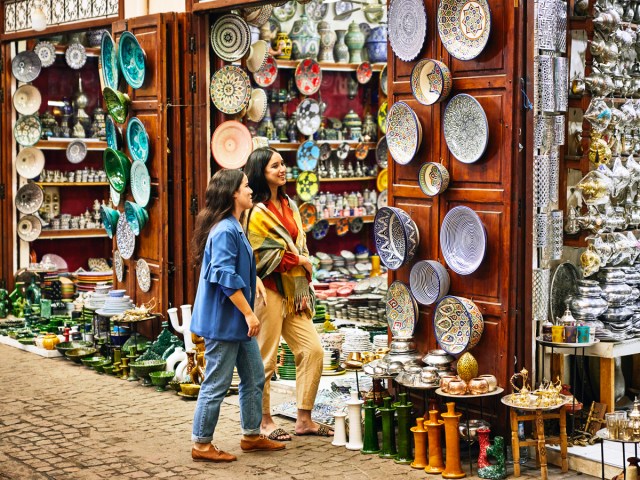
[{"x": 608, "y": 383}]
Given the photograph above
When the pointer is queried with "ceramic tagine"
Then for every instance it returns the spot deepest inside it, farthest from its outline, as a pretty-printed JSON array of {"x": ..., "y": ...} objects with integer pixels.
[{"x": 305, "y": 38}]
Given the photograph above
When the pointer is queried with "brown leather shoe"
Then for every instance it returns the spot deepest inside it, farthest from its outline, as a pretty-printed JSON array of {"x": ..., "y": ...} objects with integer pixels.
[
  {"x": 213, "y": 454},
  {"x": 260, "y": 444}
]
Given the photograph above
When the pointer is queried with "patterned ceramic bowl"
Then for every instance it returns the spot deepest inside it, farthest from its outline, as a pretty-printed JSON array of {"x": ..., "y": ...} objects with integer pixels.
[
  {"x": 430, "y": 81},
  {"x": 458, "y": 324},
  {"x": 433, "y": 178},
  {"x": 397, "y": 237},
  {"x": 429, "y": 281}
]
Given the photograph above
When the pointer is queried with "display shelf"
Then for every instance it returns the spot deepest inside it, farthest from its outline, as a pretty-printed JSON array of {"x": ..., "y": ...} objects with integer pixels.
[
  {"x": 334, "y": 220},
  {"x": 72, "y": 184},
  {"x": 292, "y": 146},
  {"x": 330, "y": 67},
  {"x": 61, "y": 234},
  {"x": 91, "y": 51},
  {"x": 348, "y": 179},
  {"x": 63, "y": 143}
]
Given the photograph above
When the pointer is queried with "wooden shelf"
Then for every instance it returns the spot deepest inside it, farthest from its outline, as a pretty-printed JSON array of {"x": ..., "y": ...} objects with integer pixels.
[
  {"x": 334, "y": 220},
  {"x": 72, "y": 184},
  {"x": 331, "y": 67},
  {"x": 291, "y": 146},
  {"x": 91, "y": 51},
  {"x": 62, "y": 234},
  {"x": 350, "y": 179},
  {"x": 63, "y": 143}
]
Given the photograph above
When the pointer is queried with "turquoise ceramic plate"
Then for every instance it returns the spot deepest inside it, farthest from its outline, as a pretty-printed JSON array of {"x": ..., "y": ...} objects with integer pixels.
[
  {"x": 113, "y": 134},
  {"x": 137, "y": 140},
  {"x": 109, "y": 61},
  {"x": 132, "y": 59},
  {"x": 140, "y": 183}
]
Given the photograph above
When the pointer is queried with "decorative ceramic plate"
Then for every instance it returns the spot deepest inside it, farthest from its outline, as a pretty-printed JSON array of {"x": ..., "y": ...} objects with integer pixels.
[
  {"x": 320, "y": 229},
  {"x": 407, "y": 28},
  {"x": 396, "y": 235},
  {"x": 308, "y": 156},
  {"x": 257, "y": 16},
  {"x": 316, "y": 10},
  {"x": 258, "y": 53},
  {"x": 140, "y": 183},
  {"x": 342, "y": 152},
  {"x": 117, "y": 104},
  {"x": 231, "y": 144},
  {"x": 125, "y": 239},
  {"x": 429, "y": 281},
  {"x": 382, "y": 182},
  {"x": 46, "y": 53},
  {"x": 26, "y": 66},
  {"x": 75, "y": 56},
  {"x": 308, "y": 116},
  {"x": 466, "y": 129},
  {"x": 382, "y": 200},
  {"x": 76, "y": 151},
  {"x": 29, "y": 198},
  {"x": 27, "y": 130},
  {"x": 109, "y": 63},
  {"x": 285, "y": 12},
  {"x": 364, "y": 72},
  {"x": 362, "y": 150},
  {"x": 308, "y": 76},
  {"x": 132, "y": 59},
  {"x": 382, "y": 152},
  {"x": 113, "y": 134},
  {"x": 258, "y": 105},
  {"x": 230, "y": 89},
  {"x": 458, "y": 324},
  {"x": 117, "y": 166},
  {"x": 29, "y": 162},
  {"x": 307, "y": 186},
  {"x": 374, "y": 13},
  {"x": 342, "y": 226},
  {"x": 356, "y": 225},
  {"x": 343, "y": 9},
  {"x": 463, "y": 240},
  {"x": 325, "y": 151},
  {"x": 464, "y": 27},
  {"x": 118, "y": 265},
  {"x": 268, "y": 73},
  {"x": 433, "y": 178},
  {"x": 404, "y": 133},
  {"x": 115, "y": 196},
  {"x": 383, "y": 80},
  {"x": 230, "y": 37},
  {"x": 137, "y": 140},
  {"x": 143, "y": 275},
  {"x": 27, "y": 100},
  {"x": 400, "y": 310},
  {"x": 29, "y": 228},
  {"x": 430, "y": 81},
  {"x": 564, "y": 285},
  {"x": 308, "y": 215},
  {"x": 382, "y": 117}
]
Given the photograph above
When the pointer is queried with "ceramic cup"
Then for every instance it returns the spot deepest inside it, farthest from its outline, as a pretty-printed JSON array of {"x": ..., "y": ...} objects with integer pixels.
[
  {"x": 557, "y": 334},
  {"x": 445, "y": 380},
  {"x": 491, "y": 380},
  {"x": 583, "y": 334},
  {"x": 570, "y": 333},
  {"x": 478, "y": 386}
]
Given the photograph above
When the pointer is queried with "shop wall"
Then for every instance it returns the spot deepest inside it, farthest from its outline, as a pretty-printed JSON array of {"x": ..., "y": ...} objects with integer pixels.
[{"x": 138, "y": 8}]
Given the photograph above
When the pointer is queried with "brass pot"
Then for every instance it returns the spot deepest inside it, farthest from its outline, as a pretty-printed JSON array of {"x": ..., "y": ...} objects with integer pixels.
[
  {"x": 457, "y": 387},
  {"x": 446, "y": 380},
  {"x": 491, "y": 380},
  {"x": 478, "y": 386}
]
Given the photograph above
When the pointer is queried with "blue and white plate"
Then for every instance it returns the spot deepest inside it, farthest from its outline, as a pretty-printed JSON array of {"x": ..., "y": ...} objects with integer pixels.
[
  {"x": 429, "y": 281},
  {"x": 404, "y": 133},
  {"x": 320, "y": 229},
  {"x": 137, "y": 140},
  {"x": 308, "y": 156},
  {"x": 463, "y": 240},
  {"x": 466, "y": 129},
  {"x": 397, "y": 237}
]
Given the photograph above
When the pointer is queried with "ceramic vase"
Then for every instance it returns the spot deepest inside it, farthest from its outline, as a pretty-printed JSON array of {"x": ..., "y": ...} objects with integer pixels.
[
  {"x": 305, "y": 39},
  {"x": 420, "y": 443},
  {"x": 327, "y": 42},
  {"x": 498, "y": 469},
  {"x": 483, "y": 442},
  {"x": 340, "y": 49},
  {"x": 339, "y": 430},
  {"x": 355, "y": 41},
  {"x": 388, "y": 430},
  {"x": 354, "y": 406},
  {"x": 453, "y": 467},
  {"x": 403, "y": 409},
  {"x": 434, "y": 433},
  {"x": 283, "y": 45},
  {"x": 376, "y": 44},
  {"x": 370, "y": 431}
]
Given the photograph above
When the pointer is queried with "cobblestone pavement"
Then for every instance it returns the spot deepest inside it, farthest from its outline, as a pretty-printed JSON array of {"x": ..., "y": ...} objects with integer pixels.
[{"x": 59, "y": 420}]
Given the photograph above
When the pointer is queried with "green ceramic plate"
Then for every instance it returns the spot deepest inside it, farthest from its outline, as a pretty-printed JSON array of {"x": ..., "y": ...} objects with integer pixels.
[
  {"x": 132, "y": 59},
  {"x": 137, "y": 140},
  {"x": 140, "y": 183},
  {"x": 117, "y": 104},
  {"x": 117, "y": 167}
]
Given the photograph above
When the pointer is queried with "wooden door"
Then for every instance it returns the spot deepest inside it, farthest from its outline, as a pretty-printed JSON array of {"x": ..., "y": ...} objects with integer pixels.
[{"x": 6, "y": 205}]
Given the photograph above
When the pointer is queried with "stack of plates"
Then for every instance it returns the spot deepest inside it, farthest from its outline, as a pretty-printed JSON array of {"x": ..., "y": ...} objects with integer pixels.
[
  {"x": 326, "y": 262},
  {"x": 355, "y": 340},
  {"x": 115, "y": 303},
  {"x": 332, "y": 341},
  {"x": 68, "y": 288},
  {"x": 287, "y": 363},
  {"x": 380, "y": 341},
  {"x": 87, "y": 281},
  {"x": 331, "y": 362}
]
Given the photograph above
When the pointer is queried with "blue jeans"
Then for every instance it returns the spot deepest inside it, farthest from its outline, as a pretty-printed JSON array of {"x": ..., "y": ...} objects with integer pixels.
[{"x": 221, "y": 357}]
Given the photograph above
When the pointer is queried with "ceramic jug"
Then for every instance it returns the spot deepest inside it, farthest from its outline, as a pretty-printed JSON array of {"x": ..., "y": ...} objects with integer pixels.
[
  {"x": 355, "y": 41},
  {"x": 283, "y": 45},
  {"x": 340, "y": 49}
]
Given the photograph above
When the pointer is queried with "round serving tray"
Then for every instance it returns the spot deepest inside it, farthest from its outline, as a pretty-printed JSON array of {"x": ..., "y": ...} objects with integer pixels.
[
  {"x": 566, "y": 345},
  {"x": 497, "y": 391}
]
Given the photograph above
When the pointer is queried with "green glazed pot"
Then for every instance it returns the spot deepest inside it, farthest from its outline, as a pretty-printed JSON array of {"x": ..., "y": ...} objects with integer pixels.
[
  {"x": 109, "y": 218},
  {"x": 117, "y": 167},
  {"x": 117, "y": 104},
  {"x": 137, "y": 217}
]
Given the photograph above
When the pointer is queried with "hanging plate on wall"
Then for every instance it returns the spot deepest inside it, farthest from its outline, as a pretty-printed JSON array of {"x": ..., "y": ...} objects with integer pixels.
[
  {"x": 430, "y": 81},
  {"x": 407, "y": 28},
  {"x": 230, "y": 37},
  {"x": 140, "y": 183},
  {"x": 75, "y": 56},
  {"x": 463, "y": 240},
  {"x": 308, "y": 117},
  {"x": 308, "y": 76},
  {"x": 137, "y": 140},
  {"x": 46, "y": 53},
  {"x": 230, "y": 89},
  {"x": 118, "y": 265},
  {"x": 404, "y": 133},
  {"x": 268, "y": 73},
  {"x": 466, "y": 129},
  {"x": 307, "y": 185},
  {"x": 132, "y": 59},
  {"x": 464, "y": 27},
  {"x": 27, "y": 100},
  {"x": 29, "y": 228},
  {"x": 29, "y": 162},
  {"x": 231, "y": 144},
  {"x": 29, "y": 198},
  {"x": 27, "y": 130},
  {"x": 109, "y": 64},
  {"x": 308, "y": 155},
  {"x": 26, "y": 66},
  {"x": 143, "y": 275}
]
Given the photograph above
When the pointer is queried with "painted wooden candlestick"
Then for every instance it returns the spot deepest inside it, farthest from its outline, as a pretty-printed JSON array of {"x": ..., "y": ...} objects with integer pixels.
[
  {"x": 434, "y": 432},
  {"x": 388, "y": 431},
  {"x": 403, "y": 408},
  {"x": 420, "y": 443},
  {"x": 453, "y": 467},
  {"x": 370, "y": 431}
]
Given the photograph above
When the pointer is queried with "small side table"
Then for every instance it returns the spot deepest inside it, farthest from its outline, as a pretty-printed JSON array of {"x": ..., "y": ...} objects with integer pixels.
[{"x": 603, "y": 434}]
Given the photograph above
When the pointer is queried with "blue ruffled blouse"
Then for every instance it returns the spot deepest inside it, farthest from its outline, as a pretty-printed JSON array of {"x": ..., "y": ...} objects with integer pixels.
[{"x": 228, "y": 265}]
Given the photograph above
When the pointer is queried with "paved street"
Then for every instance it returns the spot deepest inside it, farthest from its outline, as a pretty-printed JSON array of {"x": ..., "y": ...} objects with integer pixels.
[{"x": 59, "y": 420}]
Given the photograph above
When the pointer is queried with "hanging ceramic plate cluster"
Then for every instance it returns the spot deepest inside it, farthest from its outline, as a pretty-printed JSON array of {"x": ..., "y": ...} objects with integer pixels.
[
  {"x": 46, "y": 53},
  {"x": 407, "y": 28},
  {"x": 308, "y": 117},
  {"x": 230, "y": 89},
  {"x": 29, "y": 228},
  {"x": 143, "y": 275},
  {"x": 132, "y": 59},
  {"x": 230, "y": 37},
  {"x": 308, "y": 76},
  {"x": 307, "y": 186},
  {"x": 464, "y": 27},
  {"x": 27, "y": 100},
  {"x": 27, "y": 130},
  {"x": 308, "y": 155},
  {"x": 75, "y": 55},
  {"x": 430, "y": 81},
  {"x": 137, "y": 140},
  {"x": 140, "y": 183},
  {"x": 231, "y": 144},
  {"x": 26, "y": 66},
  {"x": 110, "y": 66},
  {"x": 404, "y": 133},
  {"x": 401, "y": 310},
  {"x": 268, "y": 73},
  {"x": 466, "y": 129},
  {"x": 29, "y": 162},
  {"x": 463, "y": 240}
]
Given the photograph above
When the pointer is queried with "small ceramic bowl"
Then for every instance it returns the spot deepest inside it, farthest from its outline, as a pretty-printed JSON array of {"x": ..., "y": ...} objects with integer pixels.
[
  {"x": 190, "y": 389},
  {"x": 77, "y": 354},
  {"x": 433, "y": 178},
  {"x": 91, "y": 361}
]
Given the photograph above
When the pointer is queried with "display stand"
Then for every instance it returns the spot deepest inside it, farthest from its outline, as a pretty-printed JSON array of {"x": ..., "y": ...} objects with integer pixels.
[{"x": 603, "y": 434}]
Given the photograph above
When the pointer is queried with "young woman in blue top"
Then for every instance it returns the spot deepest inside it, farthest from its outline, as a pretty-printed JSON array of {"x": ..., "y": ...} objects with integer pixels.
[{"x": 223, "y": 315}]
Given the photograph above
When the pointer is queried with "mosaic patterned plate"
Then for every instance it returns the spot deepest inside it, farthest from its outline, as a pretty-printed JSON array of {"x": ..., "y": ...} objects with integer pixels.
[
  {"x": 308, "y": 76},
  {"x": 316, "y": 10},
  {"x": 231, "y": 144},
  {"x": 361, "y": 150},
  {"x": 307, "y": 186},
  {"x": 382, "y": 182},
  {"x": 110, "y": 66},
  {"x": 230, "y": 89},
  {"x": 30, "y": 162},
  {"x": 27, "y": 100},
  {"x": 27, "y": 130},
  {"x": 382, "y": 200},
  {"x": 113, "y": 134},
  {"x": 140, "y": 183},
  {"x": 29, "y": 198},
  {"x": 364, "y": 72},
  {"x": 400, "y": 310},
  {"x": 308, "y": 117},
  {"x": 464, "y": 27},
  {"x": 430, "y": 81},
  {"x": 308, "y": 155},
  {"x": 76, "y": 151},
  {"x": 320, "y": 229},
  {"x": 382, "y": 117},
  {"x": 308, "y": 215},
  {"x": 342, "y": 152},
  {"x": 143, "y": 275},
  {"x": 342, "y": 226},
  {"x": 132, "y": 59},
  {"x": 463, "y": 240},
  {"x": 118, "y": 265},
  {"x": 26, "y": 66},
  {"x": 384, "y": 80},
  {"x": 46, "y": 53},
  {"x": 285, "y": 12},
  {"x": 466, "y": 129},
  {"x": 458, "y": 324},
  {"x": 137, "y": 140},
  {"x": 433, "y": 178},
  {"x": 125, "y": 239},
  {"x": 396, "y": 235},
  {"x": 75, "y": 55},
  {"x": 404, "y": 133},
  {"x": 29, "y": 228},
  {"x": 268, "y": 73},
  {"x": 407, "y": 28},
  {"x": 382, "y": 152},
  {"x": 230, "y": 37},
  {"x": 429, "y": 281}
]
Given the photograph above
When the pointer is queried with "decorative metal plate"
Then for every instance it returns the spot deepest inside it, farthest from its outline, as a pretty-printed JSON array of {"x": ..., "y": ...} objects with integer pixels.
[
  {"x": 27, "y": 100},
  {"x": 140, "y": 183},
  {"x": 308, "y": 117},
  {"x": 125, "y": 239},
  {"x": 307, "y": 186},
  {"x": 118, "y": 265},
  {"x": 76, "y": 151},
  {"x": 430, "y": 81},
  {"x": 138, "y": 140},
  {"x": 464, "y": 27},
  {"x": 143, "y": 275},
  {"x": 26, "y": 66},
  {"x": 268, "y": 73},
  {"x": 308, "y": 155},
  {"x": 463, "y": 240},
  {"x": 30, "y": 162},
  {"x": 109, "y": 61},
  {"x": 231, "y": 144},
  {"x": 400, "y": 310},
  {"x": 466, "y": 129},
  {"x": 46, "y": 53},
  {"x": 308, "y": 76},
  {"x": 382, "y": 152},
  {"x": 27, "y": 130},
  {"x": 230, "y": 89},
  {"x": 404, "y": 133},
  {"x": 75, "y": 56},
  {"x": 230, "y": 37},
  {"x": 285, "y": 12},
  {"x": 29, "y": 228},
  {"x": 29, "y": 198},
  {"x": 407, "y": 28}
]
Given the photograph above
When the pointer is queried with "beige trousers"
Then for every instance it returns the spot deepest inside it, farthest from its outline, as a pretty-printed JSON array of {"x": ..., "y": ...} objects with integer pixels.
[{"x": 303, "y": 340}]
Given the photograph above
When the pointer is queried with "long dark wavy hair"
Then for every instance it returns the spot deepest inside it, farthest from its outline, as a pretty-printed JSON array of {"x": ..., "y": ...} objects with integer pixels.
[
  {"x": 218, "y": 204},
  {"x": 254, "y": 169}
]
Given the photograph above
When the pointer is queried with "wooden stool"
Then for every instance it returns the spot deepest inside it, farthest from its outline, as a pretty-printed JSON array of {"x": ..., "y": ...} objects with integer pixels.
[{"x": 538, "y": 416}]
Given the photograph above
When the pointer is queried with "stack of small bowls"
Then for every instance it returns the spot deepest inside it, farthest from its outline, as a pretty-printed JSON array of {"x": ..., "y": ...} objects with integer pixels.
[{"x": 287, "y": 363}]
